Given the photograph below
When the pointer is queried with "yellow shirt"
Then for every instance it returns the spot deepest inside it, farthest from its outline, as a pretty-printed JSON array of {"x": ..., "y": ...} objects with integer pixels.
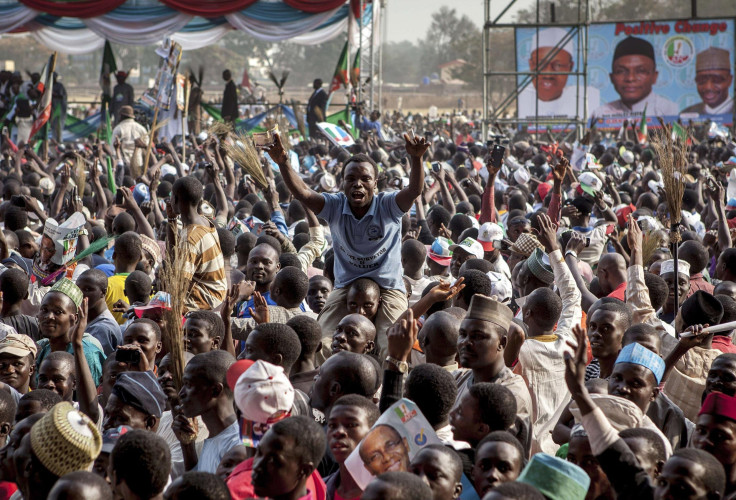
[{"x": 115, "y": 292}]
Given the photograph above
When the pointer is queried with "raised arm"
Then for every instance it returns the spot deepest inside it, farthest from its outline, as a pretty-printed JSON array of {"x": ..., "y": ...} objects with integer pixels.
[
  {"x": 308, "y": 197},
  {"x": 488, "y": 202},
  {"x": 133, "y": 209},
  {"x": 573, "y": 249},
  {"x": 441, "y": 180},
  {"x": 715, "y": 193},
  {"x": 571, "y": 314},
  {"x": 86, "y": 390},
  {"x": 416, "y": 147}
]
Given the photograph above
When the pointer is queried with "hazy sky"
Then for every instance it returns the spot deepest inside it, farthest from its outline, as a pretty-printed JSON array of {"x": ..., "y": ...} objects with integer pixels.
[{"x": 410, "y": 19}]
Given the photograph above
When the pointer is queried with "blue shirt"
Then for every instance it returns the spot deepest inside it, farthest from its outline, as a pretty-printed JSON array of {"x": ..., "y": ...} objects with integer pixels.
[
  {"x": 242, "y": 310},
  {"x": 369, "y": 247},
  {"x": 367, "y": 125}
]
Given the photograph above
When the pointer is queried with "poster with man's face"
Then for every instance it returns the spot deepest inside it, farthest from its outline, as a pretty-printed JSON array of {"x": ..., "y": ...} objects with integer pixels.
[
  {"x": 392, "y": 443},
  {"x": 679, "y": 69}
]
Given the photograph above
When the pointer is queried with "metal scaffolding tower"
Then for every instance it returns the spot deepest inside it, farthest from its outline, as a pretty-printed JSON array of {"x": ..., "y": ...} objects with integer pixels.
[{"x": 494, "y": 113}]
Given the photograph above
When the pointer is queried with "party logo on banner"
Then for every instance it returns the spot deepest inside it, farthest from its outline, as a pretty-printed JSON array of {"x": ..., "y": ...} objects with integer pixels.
[{"x": 678, "y": 51}]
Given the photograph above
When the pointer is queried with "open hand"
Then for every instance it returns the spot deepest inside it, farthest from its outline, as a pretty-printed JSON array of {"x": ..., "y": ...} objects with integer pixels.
[
  {"x": 634, "y": 236},
  {"x": 560, "y": 169},
  {"x": 229, "y": 303},
  {"x": 81, "y": 325},
  {"x": 444, "y": 291},
  {"x": 548, "y": 234},
  {"x": 259, "y": 311},
  {"x": 416, "y": 147},
  {"x": 575, "y": 363}
]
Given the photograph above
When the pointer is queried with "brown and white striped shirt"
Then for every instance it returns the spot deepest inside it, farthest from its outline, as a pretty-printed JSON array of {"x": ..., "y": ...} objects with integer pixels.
[{"x": 205, "y": 266}]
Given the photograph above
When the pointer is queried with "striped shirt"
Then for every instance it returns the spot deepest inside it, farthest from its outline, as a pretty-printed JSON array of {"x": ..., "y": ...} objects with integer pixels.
[{"x": 205, "y": 267}]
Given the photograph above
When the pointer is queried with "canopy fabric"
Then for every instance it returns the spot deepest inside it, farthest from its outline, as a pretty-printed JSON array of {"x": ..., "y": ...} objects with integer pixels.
[
  {"x": 73, "y": 8},
  {"x": 74, "y": 27},
  {"x": 210, "y": 8}
]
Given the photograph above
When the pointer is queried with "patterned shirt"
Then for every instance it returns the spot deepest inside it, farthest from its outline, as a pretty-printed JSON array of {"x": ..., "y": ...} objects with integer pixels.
[{"x": 205, "y": 267}]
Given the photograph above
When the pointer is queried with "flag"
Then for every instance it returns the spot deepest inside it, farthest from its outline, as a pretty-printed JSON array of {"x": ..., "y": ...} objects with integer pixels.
[
  {"x": 355, "y": 71},
  {"x": 641, "y": 134},
  {"x": 108, "y": 139},
  {"x": 109, "y": 66},
  {"x": 43, "y": 110},
  {"x": 679, "y": 132},
  {"x": 341, "y": 71}
]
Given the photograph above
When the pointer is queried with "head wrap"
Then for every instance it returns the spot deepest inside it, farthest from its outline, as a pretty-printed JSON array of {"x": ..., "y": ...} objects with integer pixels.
[
  {"x": 639, "y": 355},
  {"x": 485, "y": 308},
  {"x": 68, "y": 288},
  {"x": 555, "y": 478},
  {"x": 65, "y": 440},
  {"x": 632, "y": 46},
  {"x": 141, "y": 391}
]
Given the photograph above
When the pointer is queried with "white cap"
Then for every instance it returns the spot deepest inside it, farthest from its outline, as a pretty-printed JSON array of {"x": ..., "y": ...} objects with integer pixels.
[
  {"x": 521, "y": 175},
  {"x": 590, "y": 183},
  {"x": 471, "y": 246},
  {"x": 550, "y": 37},
  {"x": 628, "y": 157},
  {"x": 500, "y": 286},
  {"x": 262, "y": 391},
  {"x": 668, "y": 266}
]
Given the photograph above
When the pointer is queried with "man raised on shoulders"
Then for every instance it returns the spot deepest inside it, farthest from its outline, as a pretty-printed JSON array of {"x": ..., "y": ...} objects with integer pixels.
[{"x": 366, "y": 231}]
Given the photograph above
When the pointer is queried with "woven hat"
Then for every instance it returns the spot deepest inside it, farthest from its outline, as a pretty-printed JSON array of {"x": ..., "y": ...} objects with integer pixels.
[
  {"x": 263, "y": 392},
  {"x": 485, "y": 308},
  {"x": 490, "y": 236},
  {"x": 65, "y": 440},
  {"x": 555, "y": 478},
  {"x": 471, "y": 246},
  {"x": 439, "y": 251},
  {"x": 17, "y": 344},
  {"x": 68, "y": 288},
  {"x": 150, "y": 246},
  {"x": 538, "y": 264},
  {"x": 525, "y": 244}
]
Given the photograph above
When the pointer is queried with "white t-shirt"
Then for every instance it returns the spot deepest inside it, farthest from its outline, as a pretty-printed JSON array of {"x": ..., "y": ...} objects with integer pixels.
[{"x": 214, "y": 448}]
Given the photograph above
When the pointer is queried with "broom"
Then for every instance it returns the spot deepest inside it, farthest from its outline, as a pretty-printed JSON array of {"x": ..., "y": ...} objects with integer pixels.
[
  {"x": 672, "y": 156},
  {"x": 176, "y": 283},
  {"x": 243, "y": 152}
]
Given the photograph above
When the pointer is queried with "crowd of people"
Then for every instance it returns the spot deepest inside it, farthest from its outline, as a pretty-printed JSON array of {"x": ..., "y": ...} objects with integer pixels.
[{"x": 530, "y": 307}]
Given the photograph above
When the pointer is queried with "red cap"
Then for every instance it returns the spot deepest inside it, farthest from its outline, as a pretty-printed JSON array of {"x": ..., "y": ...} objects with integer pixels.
[
  {"x": 717, "y": 403},
  {"x": 236, "y": 370}
]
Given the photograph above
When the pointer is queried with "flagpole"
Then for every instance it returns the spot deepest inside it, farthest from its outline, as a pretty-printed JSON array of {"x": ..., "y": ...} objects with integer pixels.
[
  {"x": 184, "y": 116},
  {"x": 45, "y": 143}
]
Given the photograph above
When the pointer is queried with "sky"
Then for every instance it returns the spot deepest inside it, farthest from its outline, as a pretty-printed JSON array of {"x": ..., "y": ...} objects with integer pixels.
[{"x": 410, "y": 19}]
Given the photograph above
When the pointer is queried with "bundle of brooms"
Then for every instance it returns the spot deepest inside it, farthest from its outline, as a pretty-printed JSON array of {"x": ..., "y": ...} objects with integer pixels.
[
  {"x": 672, "y": 157},
  {"x": 241, "y": 149},
  {"x": 176, "y": 283}
]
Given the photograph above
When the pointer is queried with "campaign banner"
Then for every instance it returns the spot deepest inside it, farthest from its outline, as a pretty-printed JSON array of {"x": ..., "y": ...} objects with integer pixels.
[
  {"x": 393, "y": 442},
  {"x": 681, "y": 69}
]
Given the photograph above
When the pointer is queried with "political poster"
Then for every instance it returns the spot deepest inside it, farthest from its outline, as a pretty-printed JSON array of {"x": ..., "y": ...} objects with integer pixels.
[
  {"x": 336, "y": 135},
  {"x": 391, "y": 444},
  {"x": 676, "y": 70}
]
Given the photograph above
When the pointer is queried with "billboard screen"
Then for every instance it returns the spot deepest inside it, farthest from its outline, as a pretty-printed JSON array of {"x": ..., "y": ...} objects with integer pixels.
[{"x": 673, "y": 69}]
